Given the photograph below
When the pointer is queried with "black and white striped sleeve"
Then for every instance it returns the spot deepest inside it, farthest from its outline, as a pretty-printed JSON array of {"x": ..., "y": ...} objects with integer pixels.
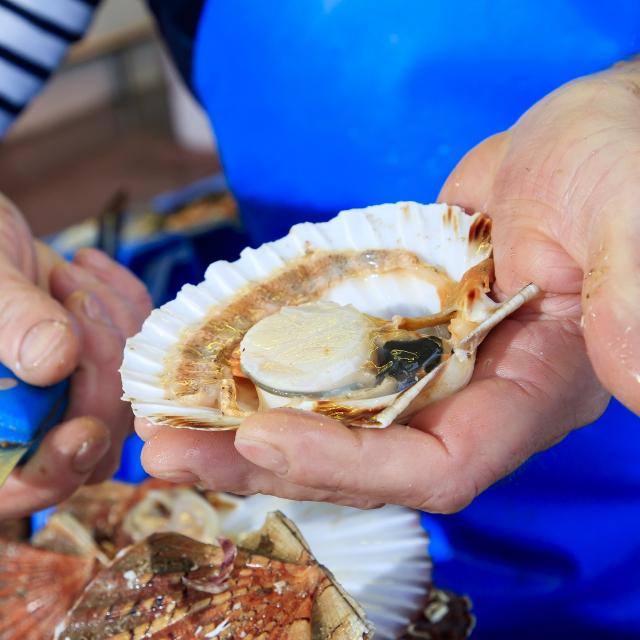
[{"x": 34, "y": 37}]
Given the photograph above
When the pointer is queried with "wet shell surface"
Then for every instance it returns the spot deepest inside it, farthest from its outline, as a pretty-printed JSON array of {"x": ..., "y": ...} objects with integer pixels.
[
  {"x": 366, "y": 318},
  {"x": 170, "y": 586}
]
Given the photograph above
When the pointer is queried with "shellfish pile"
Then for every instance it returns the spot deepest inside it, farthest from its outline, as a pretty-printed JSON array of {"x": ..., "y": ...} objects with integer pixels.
[
  {"x": 114, "y": 561},
  {"x": 167, "y": 585},
  {"x": 366, "y": 318}
]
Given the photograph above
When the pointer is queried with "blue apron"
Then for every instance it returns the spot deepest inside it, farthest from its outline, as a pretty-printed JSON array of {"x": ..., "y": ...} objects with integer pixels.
[{"x": 320, "y": 105}]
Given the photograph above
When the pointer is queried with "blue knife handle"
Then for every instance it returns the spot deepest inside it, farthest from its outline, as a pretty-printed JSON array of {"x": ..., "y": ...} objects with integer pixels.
[{"x": 28, "y": 412}]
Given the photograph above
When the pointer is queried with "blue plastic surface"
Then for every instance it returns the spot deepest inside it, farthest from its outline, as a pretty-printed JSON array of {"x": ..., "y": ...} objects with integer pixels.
[
  {"x": 28, "y": 412},
  {"x": 322, "y": 105}
]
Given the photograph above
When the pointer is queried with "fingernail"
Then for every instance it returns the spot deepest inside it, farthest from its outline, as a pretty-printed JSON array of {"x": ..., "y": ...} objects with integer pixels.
[
  {"x": 263, "y": 454},
  {"x": 95, "y": 310},
  {"x": 41, "y": 342},
  {"x": 177, "y": 476},
  {"x": 89, "y": 454}
]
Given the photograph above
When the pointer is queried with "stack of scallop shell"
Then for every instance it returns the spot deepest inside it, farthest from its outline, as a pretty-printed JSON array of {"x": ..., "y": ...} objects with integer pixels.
[{"x": 160, "y": 561}]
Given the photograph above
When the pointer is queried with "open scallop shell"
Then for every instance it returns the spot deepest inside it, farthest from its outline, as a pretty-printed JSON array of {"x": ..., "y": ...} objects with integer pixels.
[{"x": 402, "y": 260}]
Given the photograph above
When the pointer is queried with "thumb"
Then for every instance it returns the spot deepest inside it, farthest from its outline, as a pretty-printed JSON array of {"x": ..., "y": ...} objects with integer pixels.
[
  {"x": 470, "y": 184},
  {"x": 611, "y": 300},
  {"x": 38, "y": 341}
]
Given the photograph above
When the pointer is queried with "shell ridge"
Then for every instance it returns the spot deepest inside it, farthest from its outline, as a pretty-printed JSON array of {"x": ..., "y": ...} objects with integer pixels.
[{"x": 142, "y": 364}]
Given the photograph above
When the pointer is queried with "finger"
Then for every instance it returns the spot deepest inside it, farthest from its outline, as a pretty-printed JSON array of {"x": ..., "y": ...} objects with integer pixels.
[
  {"x": 210, "y": 459},
  {"x": 610, "y": 298},
  {"x": 106, "y": 319},
  {"x": 38, "y": 341},
  {"x": 118, "y": 278},
  {"x": 478, "y": 184},
  {"x": 572, "y": 192},
  {"x": 47, "y": 259},
  {"x": 69, "y": 278},
  {"x": 185, "y": 455},
  {"x": 517, "y": 404},
  {"x": 398, "y": 464},
  {"x": 96, "y": 386},
  {"x": 62, "y": 462},
  {"x": 146, "y": 429},
  {"x": 470, "y": 184}
]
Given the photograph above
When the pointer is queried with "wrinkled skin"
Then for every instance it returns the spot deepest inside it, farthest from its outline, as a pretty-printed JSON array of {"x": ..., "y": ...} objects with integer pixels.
[
  {"x": 92, "y": 305},
  {"x": 563, "y": 187}
]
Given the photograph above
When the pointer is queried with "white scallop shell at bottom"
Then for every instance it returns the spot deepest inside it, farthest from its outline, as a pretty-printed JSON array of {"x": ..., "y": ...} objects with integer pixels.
[{"x": 379, "y": 556}]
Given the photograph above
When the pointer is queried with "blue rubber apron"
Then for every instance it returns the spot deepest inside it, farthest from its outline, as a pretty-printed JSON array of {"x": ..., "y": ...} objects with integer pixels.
[{"x": 323, "y": 105}]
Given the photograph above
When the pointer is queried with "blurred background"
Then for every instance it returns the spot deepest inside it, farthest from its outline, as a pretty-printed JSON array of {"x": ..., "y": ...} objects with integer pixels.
[
  {"x": 115, "y": 117},
  {"x": 116, "y": 153}
]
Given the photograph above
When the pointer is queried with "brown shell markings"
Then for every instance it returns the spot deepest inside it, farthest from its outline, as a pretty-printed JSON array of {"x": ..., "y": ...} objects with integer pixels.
[
  {"x": 335, "y": 615},
  {"x": 94, "y": 515},
  {"x": 146, "y": 593},
  {"x": 171, "y": 587},
  {"x": 184, "y": 367},
  {"x": 101, "y": 507}
]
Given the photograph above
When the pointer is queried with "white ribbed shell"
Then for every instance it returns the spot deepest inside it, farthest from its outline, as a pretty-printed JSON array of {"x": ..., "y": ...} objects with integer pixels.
[{"x": 438, "y": 235}]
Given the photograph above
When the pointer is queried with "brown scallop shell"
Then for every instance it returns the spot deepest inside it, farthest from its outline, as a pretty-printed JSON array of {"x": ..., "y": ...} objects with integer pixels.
[
  {"x": 37, "y": 588},
  {"x": 172, "y": 587}
]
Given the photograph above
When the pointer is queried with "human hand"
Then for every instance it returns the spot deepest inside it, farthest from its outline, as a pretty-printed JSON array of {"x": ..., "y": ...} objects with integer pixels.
[
  {"x": 562, "y": 186},
  {"x": 57, "y": 319}
]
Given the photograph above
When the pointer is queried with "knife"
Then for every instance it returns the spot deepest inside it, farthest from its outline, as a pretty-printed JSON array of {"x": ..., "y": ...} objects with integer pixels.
[{"x": 27, "y": 413}]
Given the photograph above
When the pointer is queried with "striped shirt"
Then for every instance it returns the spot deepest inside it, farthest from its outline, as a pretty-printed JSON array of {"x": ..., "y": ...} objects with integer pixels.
[
  {"x": 35, "y": 35},
  {"x": 34, "y": 38}
]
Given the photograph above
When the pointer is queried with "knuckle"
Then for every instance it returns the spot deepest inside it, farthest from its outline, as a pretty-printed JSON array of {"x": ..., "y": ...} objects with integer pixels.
[
  {"x": 242, "y": 486},
  {"x": 451, "y": 498}
]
